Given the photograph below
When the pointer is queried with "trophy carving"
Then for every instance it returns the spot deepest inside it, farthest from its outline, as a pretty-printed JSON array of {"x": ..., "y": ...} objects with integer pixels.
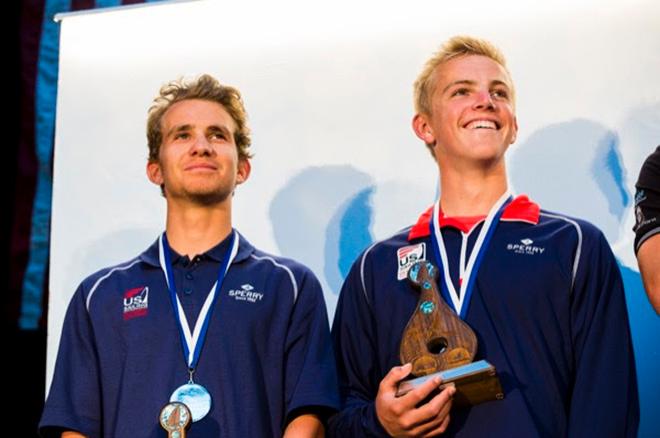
[
  {"x": 175, "y": 418},
  {"x": 439, "y": 343}
]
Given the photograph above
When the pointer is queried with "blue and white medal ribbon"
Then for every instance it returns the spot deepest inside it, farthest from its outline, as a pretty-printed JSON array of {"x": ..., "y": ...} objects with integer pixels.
[
  {"x": 460, "y": 302},
  {"x": 193, "y": 395}
]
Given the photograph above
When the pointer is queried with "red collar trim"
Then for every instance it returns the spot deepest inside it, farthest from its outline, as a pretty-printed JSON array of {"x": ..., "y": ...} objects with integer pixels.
[
  {"x": 521, "y": 209},
  {"x": 463, "y": 223}
]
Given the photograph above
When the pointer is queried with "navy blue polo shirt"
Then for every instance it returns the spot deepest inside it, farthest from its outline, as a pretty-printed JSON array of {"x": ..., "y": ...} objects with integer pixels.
[
  {"x": 267, "y": 352},
  {"x": 548, "y": 310}
]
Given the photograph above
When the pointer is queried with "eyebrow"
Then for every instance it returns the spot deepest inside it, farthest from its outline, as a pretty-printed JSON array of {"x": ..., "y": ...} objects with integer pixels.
[
  {"x": 495, "y": 82},
  {"x": 179, "y": 128},
  {"x": 188, "y": 127}
]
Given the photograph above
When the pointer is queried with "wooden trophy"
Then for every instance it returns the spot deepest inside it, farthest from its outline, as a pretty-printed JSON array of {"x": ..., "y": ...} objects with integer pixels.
[
  {"x": 438, "y": 343},
  {"x": 175, "y": 418}
]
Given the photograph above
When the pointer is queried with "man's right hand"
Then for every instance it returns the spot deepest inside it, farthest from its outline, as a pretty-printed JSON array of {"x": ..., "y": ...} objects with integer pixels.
[{"x": 402, "y": 417}]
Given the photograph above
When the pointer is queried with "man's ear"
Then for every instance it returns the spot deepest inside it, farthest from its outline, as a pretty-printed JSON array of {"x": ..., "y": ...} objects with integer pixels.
[
  {"x": 515, "y": 130},
  {"x": 423, "y": 129},
  {"x": 243, "y": 170},
  {"x": 154, "y": 173}
]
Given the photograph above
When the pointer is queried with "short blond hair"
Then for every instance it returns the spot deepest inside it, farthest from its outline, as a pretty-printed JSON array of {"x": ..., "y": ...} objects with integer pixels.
[
  {"x": 205, "y": 87},
  {"x": 461, "y": 45}
]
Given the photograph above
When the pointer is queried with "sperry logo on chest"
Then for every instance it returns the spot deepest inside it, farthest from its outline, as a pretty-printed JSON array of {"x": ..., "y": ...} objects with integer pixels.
[
  {"x": 246, "y": 293},
  {"x": 136, "y": 302},
  {"x": 525, "y": 247},
  {"x": 407, "y": 256}
]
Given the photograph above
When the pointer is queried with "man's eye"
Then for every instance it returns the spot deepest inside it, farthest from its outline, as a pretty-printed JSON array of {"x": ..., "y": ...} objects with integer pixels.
[
  {"x": 182, "y": 136},
  {"x": 460, "y": 92},
  {"x": 218, "y": 136},
  {"x": 501, "y": 94}
]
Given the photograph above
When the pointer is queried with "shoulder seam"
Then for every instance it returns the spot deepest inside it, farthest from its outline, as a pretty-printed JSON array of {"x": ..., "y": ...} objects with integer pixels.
[
  {"x": 364, "y": 258},
  {"x": 286, "y": 268},
  {"x": 578, "y": 251},
  {"x": 112, "y": 271}
]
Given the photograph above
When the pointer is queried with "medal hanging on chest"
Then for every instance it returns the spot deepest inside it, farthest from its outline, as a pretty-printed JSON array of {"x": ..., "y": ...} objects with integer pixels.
[{"x": 195, "y": 396}]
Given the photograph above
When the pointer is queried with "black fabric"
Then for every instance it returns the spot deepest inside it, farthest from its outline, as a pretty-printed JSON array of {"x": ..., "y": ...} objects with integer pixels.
[{"x": 647, "y": 200}]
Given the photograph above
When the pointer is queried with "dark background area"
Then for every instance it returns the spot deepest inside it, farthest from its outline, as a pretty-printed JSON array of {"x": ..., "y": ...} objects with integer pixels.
[
  {"x": 25, "y": 350},
  {"x": 25, "y": 354}
]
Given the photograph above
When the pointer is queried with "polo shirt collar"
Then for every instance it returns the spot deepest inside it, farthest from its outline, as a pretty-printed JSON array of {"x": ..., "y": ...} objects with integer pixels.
[
  {"x": 521, "y": 209},
  {"x": 245, "y": 248}
]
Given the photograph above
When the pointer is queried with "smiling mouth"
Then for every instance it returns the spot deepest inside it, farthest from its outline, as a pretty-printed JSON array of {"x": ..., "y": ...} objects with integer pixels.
[{"x": 482, "y": 124}]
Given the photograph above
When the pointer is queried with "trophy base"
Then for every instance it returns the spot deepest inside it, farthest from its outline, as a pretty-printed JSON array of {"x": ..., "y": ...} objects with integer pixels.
[{"x": 475, "y": 383}]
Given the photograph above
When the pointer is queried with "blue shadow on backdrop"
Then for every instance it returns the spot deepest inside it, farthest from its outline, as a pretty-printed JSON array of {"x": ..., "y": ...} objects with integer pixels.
[{"x": 576, "y": 167}]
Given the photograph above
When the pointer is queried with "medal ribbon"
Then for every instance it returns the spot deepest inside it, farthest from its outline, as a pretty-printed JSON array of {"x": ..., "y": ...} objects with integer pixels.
[
  {"x": 192, "y": 342},
  {"x": 461, "y": 302}
]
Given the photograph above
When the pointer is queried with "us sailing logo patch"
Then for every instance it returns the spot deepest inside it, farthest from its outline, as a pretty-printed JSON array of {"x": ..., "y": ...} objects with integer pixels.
[
  {"x": 136, "y": 302},
  {"x": 407, "y": 256}
]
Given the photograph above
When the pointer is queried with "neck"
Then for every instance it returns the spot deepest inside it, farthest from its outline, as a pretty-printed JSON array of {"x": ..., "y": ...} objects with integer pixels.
[
  {"x": 194, "y": 229},
  {"x": 471, "y": 192}
]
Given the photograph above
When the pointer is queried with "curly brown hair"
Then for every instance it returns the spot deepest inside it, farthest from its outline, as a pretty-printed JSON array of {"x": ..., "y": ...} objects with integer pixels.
[{"x": 205, "y": 87}]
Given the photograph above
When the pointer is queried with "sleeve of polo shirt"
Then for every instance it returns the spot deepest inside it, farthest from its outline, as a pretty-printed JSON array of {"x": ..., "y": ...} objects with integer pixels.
[
  {"x": 354, "y": 340},
  {"x": 604, "y": 400},
  {"x": 647, "y": 200},
  {"x": 311, "y": 377},
  {"x": 74, "y": 399}
]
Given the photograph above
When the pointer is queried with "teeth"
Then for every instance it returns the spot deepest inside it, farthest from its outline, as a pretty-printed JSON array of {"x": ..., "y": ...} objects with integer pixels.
[{"x": 481, "y": 124}]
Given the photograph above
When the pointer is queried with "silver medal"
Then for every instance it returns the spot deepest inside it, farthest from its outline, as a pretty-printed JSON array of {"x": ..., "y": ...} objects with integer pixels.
[{"x": 195, "y": 397}]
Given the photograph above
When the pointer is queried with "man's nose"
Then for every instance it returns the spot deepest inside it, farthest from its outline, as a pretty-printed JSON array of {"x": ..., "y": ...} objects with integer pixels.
[
  {"x": 484, "y": 100},
  {"x": 201, "y": 146}
]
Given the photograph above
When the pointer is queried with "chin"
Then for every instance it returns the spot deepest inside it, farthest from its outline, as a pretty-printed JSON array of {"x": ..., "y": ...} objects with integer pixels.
[
  {"x": 489, "y": 152},
  {"x": 208, "y": 195},
  {"x": 209, "y": 198}
]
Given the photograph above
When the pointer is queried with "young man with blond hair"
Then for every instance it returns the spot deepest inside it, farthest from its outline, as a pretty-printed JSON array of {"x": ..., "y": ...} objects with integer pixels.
[
  {"x": 542, "y": 291},
  {"x": 201, "y": 317}
]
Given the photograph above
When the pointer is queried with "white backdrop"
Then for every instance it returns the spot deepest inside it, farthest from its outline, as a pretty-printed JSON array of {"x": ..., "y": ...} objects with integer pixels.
[{"x": 328, "y": 89}]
